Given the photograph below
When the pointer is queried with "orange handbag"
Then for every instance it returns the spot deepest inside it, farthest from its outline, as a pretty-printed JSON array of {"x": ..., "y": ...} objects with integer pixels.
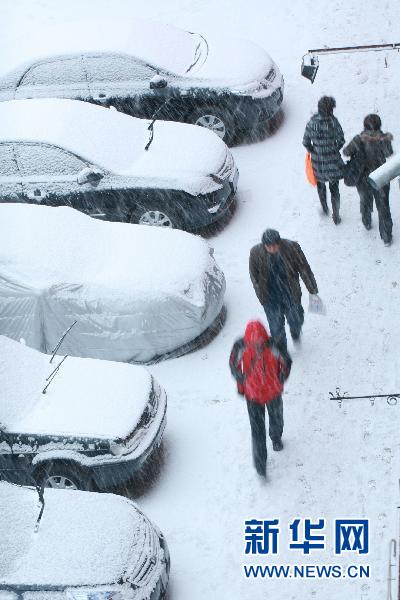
[{"x": 309, "y": 170}]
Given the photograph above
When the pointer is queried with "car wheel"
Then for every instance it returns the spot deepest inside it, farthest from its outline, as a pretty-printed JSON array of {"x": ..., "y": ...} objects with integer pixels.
[
  {"x": 217, "y": 121},
  {"x": 63, "y": 476},
  {"x": 153, "y": 217}
]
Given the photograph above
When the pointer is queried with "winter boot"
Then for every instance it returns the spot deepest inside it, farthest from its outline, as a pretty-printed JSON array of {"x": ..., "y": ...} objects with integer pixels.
[
  {"x": 336, "y": 219},
  {"x": 277, "y": 445}
]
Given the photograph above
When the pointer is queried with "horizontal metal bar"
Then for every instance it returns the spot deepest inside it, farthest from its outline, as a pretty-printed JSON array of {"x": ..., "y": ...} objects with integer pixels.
[
  {"x": 370, "y": 47},
  {"x": 362, "y": 397}
]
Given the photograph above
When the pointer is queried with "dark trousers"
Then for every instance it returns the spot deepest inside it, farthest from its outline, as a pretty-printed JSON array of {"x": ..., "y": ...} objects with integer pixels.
[
  {"x": 258, "y": 433},
  {"x": 367, "y": 194},
  {"x": 335, "y": 196},
  {"x": 276, "y": 313}
]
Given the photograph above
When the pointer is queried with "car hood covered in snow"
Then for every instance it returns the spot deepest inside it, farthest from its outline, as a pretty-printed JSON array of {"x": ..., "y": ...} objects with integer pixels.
[
  {"x": 83, "y": 538},
  {"x": 156, "y": 291},
  {"x": 233, "y": 61},
  {"x": 116, "y": 142},
  {"x": 87, "y": 397}
]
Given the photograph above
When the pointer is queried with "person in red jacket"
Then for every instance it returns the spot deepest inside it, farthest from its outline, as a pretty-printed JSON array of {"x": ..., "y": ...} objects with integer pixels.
[{"x": 261, "y": 366}]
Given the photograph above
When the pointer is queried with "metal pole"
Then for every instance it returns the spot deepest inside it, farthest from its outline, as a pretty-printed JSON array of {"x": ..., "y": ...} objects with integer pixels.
[{"x": 368, "y": 48}]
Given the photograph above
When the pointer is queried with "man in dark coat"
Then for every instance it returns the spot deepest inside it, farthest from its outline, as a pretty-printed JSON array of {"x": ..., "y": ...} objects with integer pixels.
[
  {"x": 275, "y": 266},
  {"x": 324, "y": 138},
  {"x": 376, "y": 147}
]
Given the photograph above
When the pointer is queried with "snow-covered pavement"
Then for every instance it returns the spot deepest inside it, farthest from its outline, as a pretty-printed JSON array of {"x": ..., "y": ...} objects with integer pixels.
[{"x": 337, "y": 462}]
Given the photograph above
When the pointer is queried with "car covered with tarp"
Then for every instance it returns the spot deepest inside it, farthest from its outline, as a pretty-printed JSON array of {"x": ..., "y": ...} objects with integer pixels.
[{"x": 130, "y": 292}]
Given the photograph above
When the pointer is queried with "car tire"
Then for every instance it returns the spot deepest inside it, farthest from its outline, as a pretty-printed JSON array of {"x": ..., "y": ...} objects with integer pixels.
[
  {"x": 275, "y": 122},
  {"x": 65, "y": 476},
  {"x": 218, "y": 121},
  {"x": 155, "y": 217}
]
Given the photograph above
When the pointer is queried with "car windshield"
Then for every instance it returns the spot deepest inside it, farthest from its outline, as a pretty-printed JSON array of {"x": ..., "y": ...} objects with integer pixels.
[
  {"x": 23, "y": 375},
  {"x": 19, "y": 511},
  {"x": 200, "y": 53}
]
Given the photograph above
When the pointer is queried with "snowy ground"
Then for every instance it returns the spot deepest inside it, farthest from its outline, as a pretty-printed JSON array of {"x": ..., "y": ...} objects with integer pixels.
[{"x": 337, "y": 462}]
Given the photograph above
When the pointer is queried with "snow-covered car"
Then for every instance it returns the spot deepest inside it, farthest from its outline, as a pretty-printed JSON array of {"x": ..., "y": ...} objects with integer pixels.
[
  {"x": 75, "y": 423},
  {"x": 136, "y": 293},
  {"x": 110, "y": 166},
  {"x": 73, "y": 545},
  {"x": 148, "y": 69}
]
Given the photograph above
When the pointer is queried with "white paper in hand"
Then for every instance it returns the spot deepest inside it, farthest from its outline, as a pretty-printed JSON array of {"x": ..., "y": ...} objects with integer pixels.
[{"x": 315, "y": 305}]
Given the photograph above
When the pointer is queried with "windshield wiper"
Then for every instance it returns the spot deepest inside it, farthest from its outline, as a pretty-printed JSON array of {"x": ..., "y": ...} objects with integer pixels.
[
  {"x": 153, "y": 120},
  {"x": 53, "y": 374},
  {"x": 198, "y": 54},
  {"x": 196, "y": 58},
  {"x": 61, "y": 341},
  {"x": 39, "y": 487}
]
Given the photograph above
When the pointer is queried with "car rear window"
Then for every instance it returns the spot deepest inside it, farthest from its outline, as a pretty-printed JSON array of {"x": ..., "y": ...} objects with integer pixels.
[{"x": 60, "y": 71}]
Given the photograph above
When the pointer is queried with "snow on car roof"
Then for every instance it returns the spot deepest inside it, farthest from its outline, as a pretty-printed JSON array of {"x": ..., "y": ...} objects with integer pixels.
[
  {"x": 104, "y": 137},
  {"x": 113, "y": 140},
  {"x": 88, "y": 397},
  {"x": 84, "y": 538},
  {"x": 220, "y": 59},
  {"x": 42, "y": 246},
  {"x": 162, "y": 45}
]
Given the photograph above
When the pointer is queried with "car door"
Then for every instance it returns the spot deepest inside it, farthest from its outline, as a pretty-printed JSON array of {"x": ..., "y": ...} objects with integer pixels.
[
  {"x": 50, "y": 176},
  {"x": 124, "y": 82},
  {"x": 55, "y": 78},
  {"x": 10, "y": 178}
]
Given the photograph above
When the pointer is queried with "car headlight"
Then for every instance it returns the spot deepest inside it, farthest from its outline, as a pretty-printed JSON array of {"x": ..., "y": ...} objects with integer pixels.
[
  {"x": 264, "y": 84},
  {"x": 157, "y": 387},
  {"x": 94, "y": 594},
  {"x": 117, "y": 449},
  {"x": 270, "y": 76},
  {"x": 217, "y": 179}
]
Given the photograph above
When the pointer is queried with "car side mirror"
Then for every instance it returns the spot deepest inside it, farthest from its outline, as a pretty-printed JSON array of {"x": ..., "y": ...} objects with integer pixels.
[
  {"x": 90, "y": 175},
  {"x": 158, "y": 82}
]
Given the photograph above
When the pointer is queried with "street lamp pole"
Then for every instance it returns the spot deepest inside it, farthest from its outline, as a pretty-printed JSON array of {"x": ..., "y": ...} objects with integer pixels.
[{"x": 310, "y": 63}]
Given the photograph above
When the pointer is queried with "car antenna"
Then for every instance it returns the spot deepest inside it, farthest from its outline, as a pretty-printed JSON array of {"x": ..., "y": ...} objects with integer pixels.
[
  {"x": 153, "y": 120},
  {"x": 61, "y": 341},
  {"x": 50, "y": 378}
]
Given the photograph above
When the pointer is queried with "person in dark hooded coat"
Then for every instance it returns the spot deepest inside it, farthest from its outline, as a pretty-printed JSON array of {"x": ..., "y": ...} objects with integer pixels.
[
  {"x": 275, "y": 267},
  {"x": 376, "y": 147},
  {"x": 264, "y": 366},
  {"x": 323, "y": 138}
]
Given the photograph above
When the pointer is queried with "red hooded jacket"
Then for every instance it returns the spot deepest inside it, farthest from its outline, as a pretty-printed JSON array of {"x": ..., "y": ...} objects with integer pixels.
[{"x": 265, "y": 368}]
